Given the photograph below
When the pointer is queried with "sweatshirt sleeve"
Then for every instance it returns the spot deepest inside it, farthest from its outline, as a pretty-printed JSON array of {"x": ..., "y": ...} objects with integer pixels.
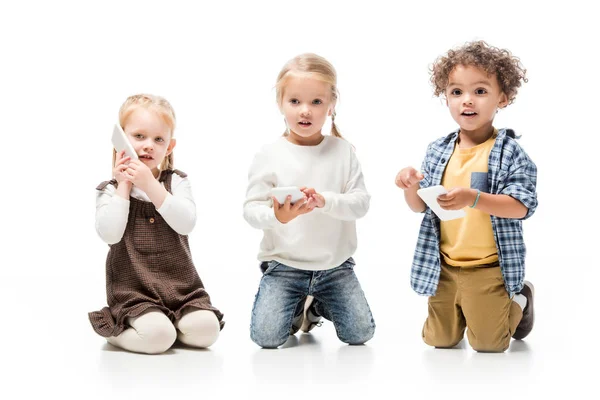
[
  {"x": 179, "y": 208},
  {"x": 111, "y": 215},
  {"x": 353, "y": 202},
  {"x": 258, "y": 207}
]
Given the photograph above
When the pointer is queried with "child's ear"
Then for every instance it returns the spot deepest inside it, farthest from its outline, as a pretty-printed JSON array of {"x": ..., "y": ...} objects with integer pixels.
[
  {"x": 503, "y": 101},
  {"x": 171, "y": 146},
  {"x": 331, "y": 110}
]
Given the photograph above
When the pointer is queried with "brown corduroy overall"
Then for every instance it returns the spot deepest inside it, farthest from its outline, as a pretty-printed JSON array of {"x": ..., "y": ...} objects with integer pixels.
[{"x": 151, "y": 267}]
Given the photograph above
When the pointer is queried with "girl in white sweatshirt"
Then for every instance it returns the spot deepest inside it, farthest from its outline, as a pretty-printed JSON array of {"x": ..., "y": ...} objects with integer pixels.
[{"x": 307, "y": 248}]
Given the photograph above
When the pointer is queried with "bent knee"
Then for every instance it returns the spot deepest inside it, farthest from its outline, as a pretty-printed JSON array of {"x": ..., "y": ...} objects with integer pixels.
[
  {"x": 489, "y": 344},
  {"x": 268, "y": 341},
  {"x": 200, "y": 328},
  {"x": 270, "y": 332},
  {"x": 358, "y": 336},
  {"x": 441, "y": 341},
  {"x": 158, "y": 339}
]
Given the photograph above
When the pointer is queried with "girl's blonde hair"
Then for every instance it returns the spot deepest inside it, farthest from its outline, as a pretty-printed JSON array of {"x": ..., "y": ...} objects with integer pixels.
[
  {"x": 158, "y": 105},
  {"x": 316, "y": 67}
]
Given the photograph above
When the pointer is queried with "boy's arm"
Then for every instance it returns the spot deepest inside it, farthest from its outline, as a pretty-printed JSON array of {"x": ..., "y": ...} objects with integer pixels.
[
  {"x": 499, "y": 205},
  {"x": 517, "y": 198},
  {"x": 413, "y": 200},
  {"x": 520, "y": 184},
  {"x": 410, "y": 180}
]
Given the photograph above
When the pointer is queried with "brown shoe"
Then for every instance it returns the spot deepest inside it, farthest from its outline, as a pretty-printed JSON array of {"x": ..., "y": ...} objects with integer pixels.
[{"x": 526, "y": 324}]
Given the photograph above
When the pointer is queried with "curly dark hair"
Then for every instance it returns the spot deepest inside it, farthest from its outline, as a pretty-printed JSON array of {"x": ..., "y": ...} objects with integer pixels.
[{"x": 500, "y": 62}]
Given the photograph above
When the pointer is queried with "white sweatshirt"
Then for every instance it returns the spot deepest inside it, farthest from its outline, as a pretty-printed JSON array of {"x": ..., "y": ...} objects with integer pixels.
[
  {"x": 112, "y": 211},
  {"x": 325, "y": 237}
]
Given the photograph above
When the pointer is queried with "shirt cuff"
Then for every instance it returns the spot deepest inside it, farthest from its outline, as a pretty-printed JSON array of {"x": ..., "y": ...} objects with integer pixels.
[{"x": 329, "y": 200}]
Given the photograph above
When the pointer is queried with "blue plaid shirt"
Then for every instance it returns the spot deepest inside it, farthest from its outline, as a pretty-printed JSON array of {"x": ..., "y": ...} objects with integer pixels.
[{"x": 510, "y": 172}]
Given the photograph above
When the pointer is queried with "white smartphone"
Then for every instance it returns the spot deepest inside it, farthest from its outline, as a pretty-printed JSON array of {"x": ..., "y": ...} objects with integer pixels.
[
  {"x": 430, "y": 195},
  {"x": 281, "y": 193},
  {"x": 120, "y": 141}
]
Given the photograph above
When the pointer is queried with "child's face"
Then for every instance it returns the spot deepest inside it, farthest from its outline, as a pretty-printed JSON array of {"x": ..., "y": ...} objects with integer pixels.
[
  {"x": 150, "y": 136},
  {"x": 473, "y": 97},
  {"x": 306, "y": 103}
]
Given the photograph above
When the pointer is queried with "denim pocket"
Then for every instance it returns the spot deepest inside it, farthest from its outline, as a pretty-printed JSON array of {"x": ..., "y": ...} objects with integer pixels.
[
  {"x": 272, "y": 265},
  {"x": 479, "y": 180}
]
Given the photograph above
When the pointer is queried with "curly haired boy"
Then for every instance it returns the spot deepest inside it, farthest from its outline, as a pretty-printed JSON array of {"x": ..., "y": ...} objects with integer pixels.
[{"x": 473, "y": 268}]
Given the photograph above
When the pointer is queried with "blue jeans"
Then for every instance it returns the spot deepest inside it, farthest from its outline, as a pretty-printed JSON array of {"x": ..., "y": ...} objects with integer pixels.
[{"x": 338, "y": 298}]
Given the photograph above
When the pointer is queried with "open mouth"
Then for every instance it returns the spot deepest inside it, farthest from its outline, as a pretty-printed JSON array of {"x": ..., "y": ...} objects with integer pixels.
[
  {"x": 305, "y": 124},
  {"x": 469, "y": 113},
  {"x": 146, "y": 157}
]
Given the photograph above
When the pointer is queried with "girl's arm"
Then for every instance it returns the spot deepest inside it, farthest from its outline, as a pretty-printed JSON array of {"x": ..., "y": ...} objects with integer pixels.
[
  {"x": 112, "y": 204},
  {"x": 353, "y": 203},
  {"x": 179, "y": 209},
  {"x": 112, "y": 211},
  {"x": 258, "y": 207}
]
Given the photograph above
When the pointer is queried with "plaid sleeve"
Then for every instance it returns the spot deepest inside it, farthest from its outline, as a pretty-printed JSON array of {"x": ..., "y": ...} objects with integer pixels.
[
  {"x": 521, "y": 179},
  {"x": 426, "y": 169}
]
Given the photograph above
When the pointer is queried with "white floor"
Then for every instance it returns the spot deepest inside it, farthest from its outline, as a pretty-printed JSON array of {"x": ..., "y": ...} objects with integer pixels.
[{"x": 57, "y": 353}]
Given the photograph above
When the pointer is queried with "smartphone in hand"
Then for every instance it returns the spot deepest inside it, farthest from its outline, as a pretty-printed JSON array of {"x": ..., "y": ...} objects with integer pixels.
[{"x": 281, "y": 193}]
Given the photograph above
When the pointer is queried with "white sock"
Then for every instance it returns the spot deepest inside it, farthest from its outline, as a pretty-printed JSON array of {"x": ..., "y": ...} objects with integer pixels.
[{"x": 521, "y": 300}]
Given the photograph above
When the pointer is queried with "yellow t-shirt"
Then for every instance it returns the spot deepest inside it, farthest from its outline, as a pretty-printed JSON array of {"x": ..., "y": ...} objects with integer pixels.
[{"x": 469, "y": 241}]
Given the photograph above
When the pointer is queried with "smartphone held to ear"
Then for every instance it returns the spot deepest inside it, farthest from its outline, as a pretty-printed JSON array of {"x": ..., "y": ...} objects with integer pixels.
[{"x": 120, "y": 142}]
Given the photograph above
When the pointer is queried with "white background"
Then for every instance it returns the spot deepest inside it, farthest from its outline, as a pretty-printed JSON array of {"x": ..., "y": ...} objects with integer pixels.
[{"x": 67, "y": 67}]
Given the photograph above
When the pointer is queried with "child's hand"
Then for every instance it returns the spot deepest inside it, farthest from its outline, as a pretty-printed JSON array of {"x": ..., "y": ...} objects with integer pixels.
[
  {"x": 457, "y": 198},
  {"x": 314, "y": 199},
  {"x": 139, "y": 174},
  {"x": 120, "y": 167},
  {"x": 408, "y": 177},
  {"x": 286, "y": 212}
]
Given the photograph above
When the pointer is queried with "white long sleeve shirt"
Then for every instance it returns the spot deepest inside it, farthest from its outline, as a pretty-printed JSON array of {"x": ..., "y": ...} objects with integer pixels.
[
  {"x": 325, "y": 237},
  {"x": 112, "y": 211}
]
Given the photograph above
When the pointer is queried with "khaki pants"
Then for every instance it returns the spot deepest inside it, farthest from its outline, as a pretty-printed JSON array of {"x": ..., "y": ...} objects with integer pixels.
[{"x": 473, "y": 298}]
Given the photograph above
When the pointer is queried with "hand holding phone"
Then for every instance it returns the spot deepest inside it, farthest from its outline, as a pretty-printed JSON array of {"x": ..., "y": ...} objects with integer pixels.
[
  {"x": 430, "y": 195},
  {"x": 284, "y": 211},
  {"x": 281, "y": 193}
]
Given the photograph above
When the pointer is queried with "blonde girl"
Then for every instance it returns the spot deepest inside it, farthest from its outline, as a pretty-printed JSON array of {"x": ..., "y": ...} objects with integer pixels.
[
  {"x": 144, "y": 214},
  {"x": 307, "y": 247}
]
